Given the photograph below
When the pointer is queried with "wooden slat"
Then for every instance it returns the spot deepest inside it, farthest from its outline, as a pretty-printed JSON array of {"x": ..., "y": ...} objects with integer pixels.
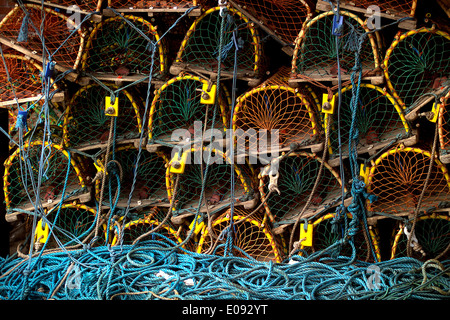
[{"x": 57, "y": 97}]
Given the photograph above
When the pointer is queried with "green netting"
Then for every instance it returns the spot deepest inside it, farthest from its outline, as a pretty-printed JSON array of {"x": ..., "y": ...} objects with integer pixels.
[
  {"x": 298, "y": 173},
  {"x": 217, "y": 188},
  {"x": 150, "y": 185},
  {"x": 85, "y": 121},
  {"x": 378, "y": 118},
  {"x": 200, "y": 47},
  {"x": 23, "y": 168},
  {"x": 315, "y": 48},
  {"x": 416, "y": 63},
  {"x": 177, "y": 105},
  {"x": 444, "y": 125},
  {"x": 433, "y": 237},
  {"x": 115, "y": 47},
  {"x": 324, "y": 235}
]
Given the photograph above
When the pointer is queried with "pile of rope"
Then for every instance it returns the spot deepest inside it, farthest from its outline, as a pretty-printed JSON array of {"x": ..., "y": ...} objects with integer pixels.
[{"x": 154, "y": 271}]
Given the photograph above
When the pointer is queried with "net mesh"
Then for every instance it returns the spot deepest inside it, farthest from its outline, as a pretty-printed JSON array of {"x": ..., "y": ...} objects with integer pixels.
[
  {"x": 217, "y": 188},
  {"x": 200, "y": 47},
  {"x": 416, "y": 63},
  {"x": 84, "y": 5},
  {"x": 297, "y": 175},
  {"x": 398, "y": 178},
  {"x": 378, "y": 118},
  {"x": 20, "y": 181},
  {"x": 250, "y": 235},
  {"x": 177, "y": 105},
  {"x": 115, "y": 47},
  {"x": 274, "y": 105},
  {"x": 325, "y": 235},
  {"x": 285, "y": 18},
  {"x": 118, "y": 4},
  {"x": 391, "y": 7},
  {"x": 444, "y": 125},
  {"x": 149, "y": 187},
  {"x": 315, "y": 48},
  {"x": 432, "y": 232},
  {"x": 65, "y": 49},
  {"x": 85, "y": 121}
]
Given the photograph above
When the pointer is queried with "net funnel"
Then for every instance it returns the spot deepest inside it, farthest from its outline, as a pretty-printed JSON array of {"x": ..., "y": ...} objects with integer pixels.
[
  {"x": 416, "y": 64},
  {"x": 297, "y": 175},
  {"x": 276, "y": 112},
  {"x": 65, "y": 49},
  {"x": 86, "y": 126},
  {"x": 149, "y": 187},
  {"x": 199, "y": 50},
  {"x": 250, "y": 235},
  {"x": 116, "y": 48},
  {"x": 315, "y": 51},
  {"x": 398, "y": 178},
  {"x": 217, "y": 188},
  {"x": 380, "y": 121},
  {"x": 22, "y": 171},
  {"x": 178, "y": 112},
  {"x": 430, "y": 239}
]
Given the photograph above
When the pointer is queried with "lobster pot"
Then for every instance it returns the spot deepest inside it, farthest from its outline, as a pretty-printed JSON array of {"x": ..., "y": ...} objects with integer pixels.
[
  {"x": 430, "y": 238},
  {"x": 128, "y": 232},
  {"x": 250, "y": 237},
  {"x": 326, "y": 232},
  {"x": 283, "y": 18},
  {"x": 116, "y": 47},
  {"x": 199, "y": 50},
  {"x": 398, "y": 179},
  {"x": 315, "y": 50},
  {"x": 298, "y": 173},
  {"x": 417, "y": 63},
  {"x": 87, "y": 126},
  {"x": 57, "y": 171},
  {"x": 379, "y": 119},
  {"x": 64, "y": 48},
  {"x": 143, "y": 4},
  {"x": 149, "y": 188},
  {"x": 178, "y": 110},
  {"x": 274, "y": 108},
  {"x": 71, "y": 224},
  {"x": 218, "y": 186},
  {"x": 444, "y": 129}
]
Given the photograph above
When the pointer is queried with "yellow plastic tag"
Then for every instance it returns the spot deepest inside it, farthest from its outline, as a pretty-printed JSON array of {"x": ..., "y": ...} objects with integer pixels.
[
  {"x": 41, "y": 234},
  {"x": 364, "y": 173},
  {"x": 328, "y": 106},
  {"x": 178, "y": 164},
  {"x": 307, "y": 234},
  {"x": 109, "y": 106},
  {"x": 208, "y": 97},
  {"x": 435, "y": 110}
]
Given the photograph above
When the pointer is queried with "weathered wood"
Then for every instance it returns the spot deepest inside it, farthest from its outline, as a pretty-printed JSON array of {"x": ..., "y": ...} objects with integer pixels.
[
  {"x": 69, "y": 9},
  {"x": 151, "y": 11},
  {"x": 57, "y": 97}
]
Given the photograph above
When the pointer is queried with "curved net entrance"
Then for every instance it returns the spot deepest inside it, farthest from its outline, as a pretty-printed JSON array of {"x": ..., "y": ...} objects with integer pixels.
[
  {"x": 200, "y": 48},
  {"x": 398, "y": 178},
  {"x": 416, "y": 63},
  {"x": 85, "y": 121},
  {"x": 432, "y": 234},
  {"x": 298, "y": 173},
  {"x": 115, "y": 47},
  {"x": 250, "y": 236},
  {"x": 64, "y": 48},
  {"x": 315, "y": 49},
  {"x": 379, "y": 119},
  {"x": 178, "y": 105}
]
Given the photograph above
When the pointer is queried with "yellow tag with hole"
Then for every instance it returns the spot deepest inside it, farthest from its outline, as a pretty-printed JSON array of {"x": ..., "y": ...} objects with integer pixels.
[
  {"x": 178, "y": 164},
  {"x": 208, "y": 97},
  {"x": 109, "y": 106},
  {"x": 435, "y": 110},
  {"x": 41, "y": 233},
  {"x": 307, "y": 234},
  {"x": 328, "y": 106},
  {"x": 364, "y": 173}
]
